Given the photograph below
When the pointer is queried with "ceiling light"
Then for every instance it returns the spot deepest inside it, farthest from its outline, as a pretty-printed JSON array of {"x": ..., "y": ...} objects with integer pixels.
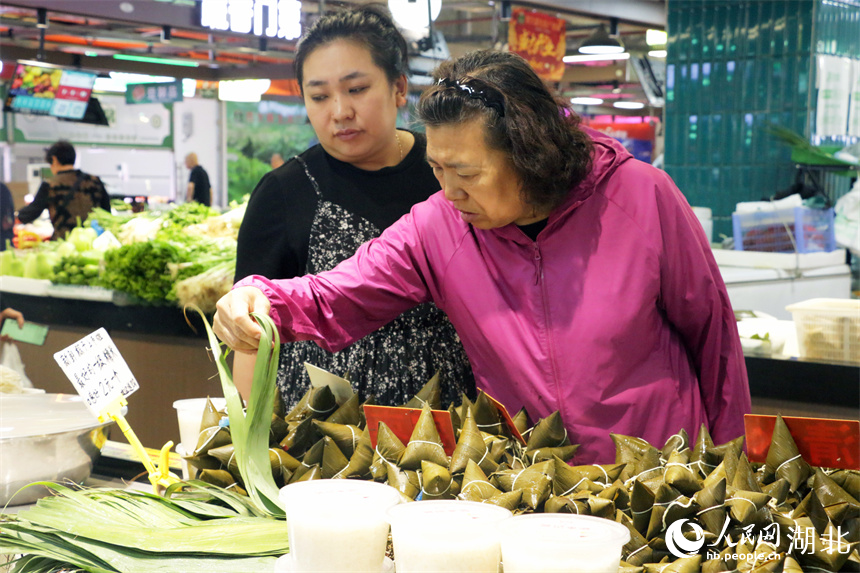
[
  {"x": 586, "y": 101},
  {"x": 657, "y": 53},
  {"x": 628, "y": 105},
  {"x": 601, "y": 42},
  {"x": 655, "y": 37},
  {"x": 412, "y": 14},
  {"x": 153, "y": 60},
  {"x": 594, "y": 58}
]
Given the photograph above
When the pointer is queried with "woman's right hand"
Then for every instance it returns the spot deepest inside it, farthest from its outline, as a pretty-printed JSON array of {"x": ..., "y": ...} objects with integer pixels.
[{"x": 233, "y": 323}]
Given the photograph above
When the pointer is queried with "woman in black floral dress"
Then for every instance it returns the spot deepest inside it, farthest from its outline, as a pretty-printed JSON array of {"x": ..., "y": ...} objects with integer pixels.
[{"x": 315, "y": 210}]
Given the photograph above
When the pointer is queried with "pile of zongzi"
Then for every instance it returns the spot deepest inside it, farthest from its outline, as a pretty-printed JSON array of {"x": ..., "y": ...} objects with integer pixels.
[{"x": 781, "y": 516}]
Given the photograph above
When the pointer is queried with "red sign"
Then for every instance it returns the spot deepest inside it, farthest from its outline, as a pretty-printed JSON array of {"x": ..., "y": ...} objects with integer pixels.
[
  {"x": 540, "y": 39},
  {"x": 402, "y": 421},
  {"x": 508, "y": 420},
  {"x": 823, "y": 443}
]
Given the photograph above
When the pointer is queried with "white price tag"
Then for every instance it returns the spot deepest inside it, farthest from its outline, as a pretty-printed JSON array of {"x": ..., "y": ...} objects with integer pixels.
[{"x": 97, "y": 371}]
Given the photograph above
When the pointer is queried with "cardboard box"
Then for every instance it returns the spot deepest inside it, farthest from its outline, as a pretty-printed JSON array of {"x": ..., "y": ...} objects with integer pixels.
[{"x": 19, "y": 189}]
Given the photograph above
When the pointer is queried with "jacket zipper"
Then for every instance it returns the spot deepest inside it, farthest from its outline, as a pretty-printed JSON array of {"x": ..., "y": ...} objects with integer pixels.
[{"x": 539, "y": 280}]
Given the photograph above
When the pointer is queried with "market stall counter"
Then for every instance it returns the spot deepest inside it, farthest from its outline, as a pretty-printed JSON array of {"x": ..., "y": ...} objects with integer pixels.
[{"x": 166, "y": 351}]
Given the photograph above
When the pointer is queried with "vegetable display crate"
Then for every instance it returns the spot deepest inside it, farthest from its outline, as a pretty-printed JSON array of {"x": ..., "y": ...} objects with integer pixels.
[
  {"x": 828, "y": 329},
  {"x": 796, "y": 229}
]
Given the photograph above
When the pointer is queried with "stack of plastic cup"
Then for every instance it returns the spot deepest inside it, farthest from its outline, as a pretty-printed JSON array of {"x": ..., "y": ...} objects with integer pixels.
[
  {"x": 561, "y": 543},
  {"x": 337, "y": 525},
  {"x": 189, "y": 414},
  {"x": 446, "y": 536}
]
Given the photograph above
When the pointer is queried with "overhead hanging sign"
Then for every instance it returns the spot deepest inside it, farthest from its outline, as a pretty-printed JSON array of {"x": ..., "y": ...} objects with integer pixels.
[
  {"x": 540, "y": 39},
  {"x": 264, "y": 18},
  {"x": 154, "y": 92}
]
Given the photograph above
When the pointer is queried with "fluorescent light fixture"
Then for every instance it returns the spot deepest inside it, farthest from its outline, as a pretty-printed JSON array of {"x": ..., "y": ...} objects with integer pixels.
[
  {"x": 412, "y": 14},
  {"x": 595, "y": 58},
  {"x": 242, "y": 90},
  {"x": 657, "y": 53},
  {"x": 118, "y": 82},
  {"x": 656, "y": 37},
  {"x": 628, "y": 105},
  {"x": 189, "y": 87},
  {"x": 38, "y": 63},
  {"x": 153, "y": 60},
  {"x": 600, "y": 42},
  {"x": 586, "y": 101}
]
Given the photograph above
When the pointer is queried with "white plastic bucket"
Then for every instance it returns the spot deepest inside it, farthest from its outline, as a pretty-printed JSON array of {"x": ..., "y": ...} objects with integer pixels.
[
  {"x": 445, "y": 536},
  {"x": 561, "y": 543},
  {"x": 337, "y": 524}
]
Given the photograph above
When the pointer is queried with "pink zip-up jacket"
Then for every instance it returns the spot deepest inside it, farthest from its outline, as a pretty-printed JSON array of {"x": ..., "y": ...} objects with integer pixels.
[{"x": 616, "y": 316}]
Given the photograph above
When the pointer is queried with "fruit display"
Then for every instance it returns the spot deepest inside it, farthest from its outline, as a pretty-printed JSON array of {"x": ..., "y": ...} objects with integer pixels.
[{"x": 36, "y": 81}]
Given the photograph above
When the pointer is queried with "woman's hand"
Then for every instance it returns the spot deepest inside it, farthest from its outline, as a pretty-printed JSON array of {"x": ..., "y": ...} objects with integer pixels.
[
  {"x": 233, "y": 323},
  {"x": 14, "y": 315}
]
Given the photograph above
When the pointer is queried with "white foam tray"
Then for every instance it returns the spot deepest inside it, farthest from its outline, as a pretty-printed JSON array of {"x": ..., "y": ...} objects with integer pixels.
[{"x": 762, "y": 260}]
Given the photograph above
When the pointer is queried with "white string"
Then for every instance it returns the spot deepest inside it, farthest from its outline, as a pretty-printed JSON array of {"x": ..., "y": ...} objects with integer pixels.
[
  {"x": 641, "y": 512},
  {"x": 679, "y": 504},
  {"x": 785, "y": 462},
  {"x": 376, "y": 449},
  {"x": 426, "y": 442},
  {"x": 486, "y": 451},
  {"x": 711, "y": 508},
  {"x": 476, "y": 481},
  {"x": 743, "y": 499},
  {"x": 354, "y": 439},
  {"x": 574, "y": 486},
  {"x": 678, "y": 464},
  {"x": 441, "y": 492},
  {"x": 606, "y": 475},
  {"x": 632, "y": 479},
  {"x": 637, "y": 551},
  {"x": 311, "y": 408},
  {"x": 514, "y": 483},
  {"x": 561, "y": 443}
]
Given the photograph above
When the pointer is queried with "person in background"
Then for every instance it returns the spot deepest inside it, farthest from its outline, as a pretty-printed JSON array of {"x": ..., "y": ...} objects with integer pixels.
[
  {"x": 69, "y": 195},
  {"x": 578, "y": 278},
  {"x": 276, "y": 161},
  {"x": 7, "y": 216},
  {"x": 12, "y": 314},
  {"x": 198, "y": 182},
  {"x": 316, "y": 209}
]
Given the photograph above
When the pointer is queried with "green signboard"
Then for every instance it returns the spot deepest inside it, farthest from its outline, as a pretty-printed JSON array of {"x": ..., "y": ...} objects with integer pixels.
[{"x": 154, "y": 92}]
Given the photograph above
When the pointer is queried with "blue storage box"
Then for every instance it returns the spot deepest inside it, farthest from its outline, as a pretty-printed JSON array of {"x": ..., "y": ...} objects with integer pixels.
[{"x": 789, "y": 230}]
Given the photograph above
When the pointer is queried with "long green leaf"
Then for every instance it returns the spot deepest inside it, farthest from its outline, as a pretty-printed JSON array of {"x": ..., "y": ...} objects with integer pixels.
[{"x": 250, "y": 431}]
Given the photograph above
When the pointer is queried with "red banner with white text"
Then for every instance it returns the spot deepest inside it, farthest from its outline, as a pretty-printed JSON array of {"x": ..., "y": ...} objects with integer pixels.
[{"x": 540, "y": 39}]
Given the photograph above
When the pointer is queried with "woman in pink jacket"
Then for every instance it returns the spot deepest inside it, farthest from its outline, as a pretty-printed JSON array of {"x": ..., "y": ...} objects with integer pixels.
[{"x": 577, "y": 277}]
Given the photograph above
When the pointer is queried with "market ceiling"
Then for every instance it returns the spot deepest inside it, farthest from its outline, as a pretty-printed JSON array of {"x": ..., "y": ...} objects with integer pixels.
[{"x": 92, "y": 33}]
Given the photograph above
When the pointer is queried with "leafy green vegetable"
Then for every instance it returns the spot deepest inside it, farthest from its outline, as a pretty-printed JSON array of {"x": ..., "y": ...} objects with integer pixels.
[{"x": 141, "y": 269}]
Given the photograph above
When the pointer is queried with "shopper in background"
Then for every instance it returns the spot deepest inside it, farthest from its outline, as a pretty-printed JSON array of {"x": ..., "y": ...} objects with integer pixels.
[
  {"x": 7, "y": 216},
  {"x": 69, "y": 195},
  {"x": 276, "y": 161},
  {"x": 578, "y": 278},
  {"x": 198, "y": 182},
  {"x": 315, "y": 210}
]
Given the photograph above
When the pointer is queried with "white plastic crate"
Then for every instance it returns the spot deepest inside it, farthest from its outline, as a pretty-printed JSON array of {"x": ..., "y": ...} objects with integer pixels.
[{"x": 828, "y": 329}]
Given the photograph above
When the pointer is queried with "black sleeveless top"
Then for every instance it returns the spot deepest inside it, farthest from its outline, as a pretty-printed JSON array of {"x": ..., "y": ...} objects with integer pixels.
[{"x": 315, "y": 211}]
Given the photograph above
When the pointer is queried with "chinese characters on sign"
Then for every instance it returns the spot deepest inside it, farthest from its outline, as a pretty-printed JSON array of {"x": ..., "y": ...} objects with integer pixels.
[
  {"x": 154, "y": 92},
  {"x": 97, "y": 370},
  {"x": 270, "y": 18},
  {"x": 540, "y": 39}
]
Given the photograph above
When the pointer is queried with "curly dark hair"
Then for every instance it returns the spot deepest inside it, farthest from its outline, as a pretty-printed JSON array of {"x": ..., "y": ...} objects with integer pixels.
[
  {"x": 370, "y": 26},
  {"x": 538, "y": 132}
]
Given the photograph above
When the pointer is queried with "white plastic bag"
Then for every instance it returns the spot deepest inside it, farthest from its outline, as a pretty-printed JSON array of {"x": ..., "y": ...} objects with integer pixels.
[
  {"x": 11, "y": 359},
  {"x": 847, "y": 220}
]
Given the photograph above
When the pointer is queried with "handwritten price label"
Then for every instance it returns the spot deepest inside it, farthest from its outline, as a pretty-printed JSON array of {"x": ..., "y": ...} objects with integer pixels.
[{"x": 97, "y": 371}]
